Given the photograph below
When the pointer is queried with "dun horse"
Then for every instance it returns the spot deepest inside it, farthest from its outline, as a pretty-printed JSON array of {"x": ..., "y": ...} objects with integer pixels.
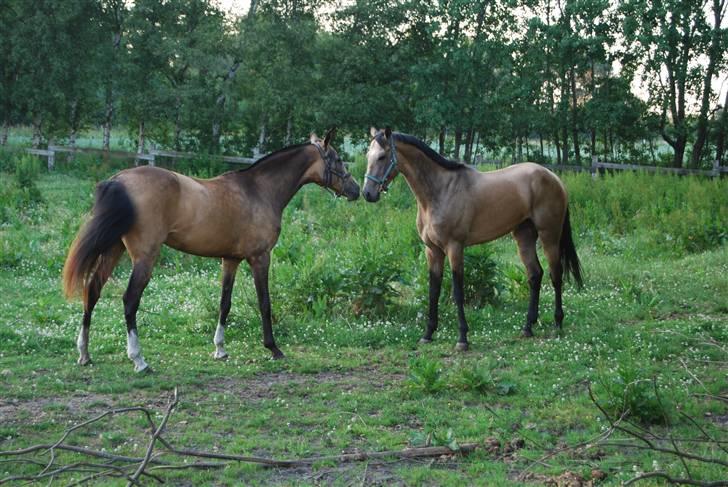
[
  {"x": 235, "y": 217},
  {"x": 458, "y": 206}
]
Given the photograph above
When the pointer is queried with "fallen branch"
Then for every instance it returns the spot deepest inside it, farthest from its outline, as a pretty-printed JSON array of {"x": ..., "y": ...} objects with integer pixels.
[
  {"x": 151, "y": 462},
  {"x": 673, "y": 480},
  {"x": 654, "y": 442}
]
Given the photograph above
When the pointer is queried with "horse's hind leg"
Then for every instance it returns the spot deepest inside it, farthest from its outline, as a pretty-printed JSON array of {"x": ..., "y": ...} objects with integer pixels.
[
  {"x": 140, "y": 275},
  {"x": 551, "y": 249},
  {"x": 229, "y": 268},
  {"x": 91, "y": 294},
  {"x": 435, "y": 262},
  {"x": 526, "y": 236}
]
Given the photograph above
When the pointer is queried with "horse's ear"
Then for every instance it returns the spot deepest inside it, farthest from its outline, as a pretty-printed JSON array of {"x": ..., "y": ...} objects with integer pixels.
[
  {"x": 373, "y": 132},
  {"x": 388, "y": 132},
  {"x": 313, "y": 137},
  {"x": 329, "y": 136}
]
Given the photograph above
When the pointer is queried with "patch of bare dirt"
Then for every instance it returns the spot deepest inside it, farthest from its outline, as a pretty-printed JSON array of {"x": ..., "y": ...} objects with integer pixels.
[{"x": 263, "y": 386}]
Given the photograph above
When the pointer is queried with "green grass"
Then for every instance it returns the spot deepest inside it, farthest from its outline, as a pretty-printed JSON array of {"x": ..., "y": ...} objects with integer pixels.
[{"x": 349, "y": 287}]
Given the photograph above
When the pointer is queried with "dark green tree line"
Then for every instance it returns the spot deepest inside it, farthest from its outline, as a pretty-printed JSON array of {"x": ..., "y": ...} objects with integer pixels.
[{"x": 550, "y": 80}]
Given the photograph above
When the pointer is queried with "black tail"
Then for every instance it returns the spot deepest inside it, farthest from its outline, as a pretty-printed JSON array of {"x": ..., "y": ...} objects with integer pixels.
[
  {"x": 569, "y": 259},
  {"x": 113, "y": 216}
]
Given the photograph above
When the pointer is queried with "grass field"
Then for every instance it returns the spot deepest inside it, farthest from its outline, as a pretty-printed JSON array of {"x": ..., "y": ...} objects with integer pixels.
[{"x": 348, "y": 287}]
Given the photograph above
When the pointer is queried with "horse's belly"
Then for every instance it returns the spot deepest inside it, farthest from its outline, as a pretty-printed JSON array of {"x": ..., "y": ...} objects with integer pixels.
[
  {"x": 491, "y": 225},
  {"x": 206, "y": 247}
]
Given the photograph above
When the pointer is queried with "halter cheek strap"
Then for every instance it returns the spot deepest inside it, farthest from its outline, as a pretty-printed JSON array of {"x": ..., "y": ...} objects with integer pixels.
[
  {"x": 384, "y": 181},
  {"x": 330, "y": 171}
]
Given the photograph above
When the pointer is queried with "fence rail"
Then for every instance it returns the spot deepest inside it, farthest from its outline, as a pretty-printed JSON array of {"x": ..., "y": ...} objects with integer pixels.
[
  {"x": 598, "y": 167},
  {"x": 151, "y": 158}
]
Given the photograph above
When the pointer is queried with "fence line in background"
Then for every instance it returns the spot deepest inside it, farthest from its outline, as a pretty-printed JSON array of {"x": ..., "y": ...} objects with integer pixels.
[{"x": 595, "y": 168}]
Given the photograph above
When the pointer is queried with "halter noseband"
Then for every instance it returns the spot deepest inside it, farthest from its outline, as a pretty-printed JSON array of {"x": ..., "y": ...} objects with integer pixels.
[
  {"x": 384, "y": 181},
  {"x": 329, "y": 171}
]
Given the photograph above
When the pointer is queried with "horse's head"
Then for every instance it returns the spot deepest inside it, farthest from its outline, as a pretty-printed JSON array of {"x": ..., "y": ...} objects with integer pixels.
[
  {"x": 381, "y": 164},
  {"x": 331, "y": 170}
]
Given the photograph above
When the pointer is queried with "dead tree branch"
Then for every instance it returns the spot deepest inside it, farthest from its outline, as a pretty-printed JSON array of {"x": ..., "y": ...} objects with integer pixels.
[
  {"x": 657, "y": 443},
  {"x": 122, "y": 466}
]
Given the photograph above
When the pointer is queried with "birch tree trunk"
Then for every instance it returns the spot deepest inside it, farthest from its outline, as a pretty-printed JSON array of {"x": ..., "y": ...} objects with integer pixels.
[
  {"x": 289, "y": 129},
  {"x": 108, "y": 117},
  {"x": 468, "y": 156},
  {"x": 721, "y": 136},
  {"x": 574, "y": 120},
  {"x": 37, "y": 136},
  {"x": 177, "y": 123},
  {"x": 458, "y": 141},
  {"x": 715, "y": 53},
  {"x": 74, "y": 124},
  {"x": 141, "y": 142},
  {"x": 4, "y": 133}
]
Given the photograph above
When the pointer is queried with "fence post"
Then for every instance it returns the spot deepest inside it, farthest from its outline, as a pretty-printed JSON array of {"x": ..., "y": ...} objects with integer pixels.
[
  {"x": 51, "y": 159},
  {"x": 716, "y": 168},
  {"x": 594, "y": 168}
]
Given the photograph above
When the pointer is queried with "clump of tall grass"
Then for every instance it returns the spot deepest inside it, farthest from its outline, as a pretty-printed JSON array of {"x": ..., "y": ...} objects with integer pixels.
[
  {"x": 22, "y": 191},
  {"x": 666, "y": 212}
]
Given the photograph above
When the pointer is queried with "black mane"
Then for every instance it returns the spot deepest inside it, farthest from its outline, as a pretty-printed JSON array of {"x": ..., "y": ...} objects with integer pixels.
[
  {"x": 268, "y": 156},
  {"x": 429, "y": 152}
]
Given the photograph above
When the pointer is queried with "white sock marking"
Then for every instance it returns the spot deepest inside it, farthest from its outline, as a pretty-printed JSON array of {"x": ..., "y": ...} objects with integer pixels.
[
  {"x": 219, "y": 342},
  {"x": 134, "y": 351}
]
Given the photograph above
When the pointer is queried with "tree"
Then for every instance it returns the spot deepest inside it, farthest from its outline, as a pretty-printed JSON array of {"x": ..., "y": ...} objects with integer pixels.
[{"x": 668, "y": 38}]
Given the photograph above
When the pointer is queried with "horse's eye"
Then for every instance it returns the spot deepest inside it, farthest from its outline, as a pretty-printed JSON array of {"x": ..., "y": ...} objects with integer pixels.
[{"x": 381, "y": 158}]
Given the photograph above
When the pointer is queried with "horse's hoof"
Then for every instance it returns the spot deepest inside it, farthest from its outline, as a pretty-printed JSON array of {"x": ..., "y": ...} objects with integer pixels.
[
  {"x": 424, "y": 341},
  {"x": 462, "y": 346},
  {"x": 144, "y": 371},
  {"x": 527, "y": 333},
  {"x": 220, "y": 356},
  {"x": 278, "y": 355},
  {"x": 83, "y": 361}
]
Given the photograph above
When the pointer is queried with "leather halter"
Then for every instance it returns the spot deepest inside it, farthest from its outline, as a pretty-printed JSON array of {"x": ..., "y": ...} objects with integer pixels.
[
  {"x": 329, "y": 171},
  {"x": 384, "y": 181}
]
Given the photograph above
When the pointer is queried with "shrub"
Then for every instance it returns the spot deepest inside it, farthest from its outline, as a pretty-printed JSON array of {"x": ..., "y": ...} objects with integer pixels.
[
  {"x": 476, "y": 378},
  {"x": 482, "y": 280},
  {"x": 628, "y": 391},
  {"x": 425, "y": 375}
]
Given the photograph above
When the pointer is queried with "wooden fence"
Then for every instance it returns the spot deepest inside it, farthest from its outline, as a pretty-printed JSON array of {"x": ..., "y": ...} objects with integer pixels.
[{"x": 595, "y": 169}]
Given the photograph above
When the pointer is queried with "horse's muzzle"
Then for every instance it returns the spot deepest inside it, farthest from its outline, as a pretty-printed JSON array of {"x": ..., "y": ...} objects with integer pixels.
[
  {"x": 351, "y": 190},
  {"x": 372, "y": 196}
]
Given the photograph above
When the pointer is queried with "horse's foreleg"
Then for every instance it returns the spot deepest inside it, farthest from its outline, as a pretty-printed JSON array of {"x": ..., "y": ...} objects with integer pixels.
[
  {"x": 260, "y": 266},
  {"x": 91, "y": 295},
  {"x": 229, "y": 268},
  {"x": 455, "y": 255},
  {"x": 435, "y": 261},
  {"x": 526, "y": 236},
  {"x": 140, "y": 275}
]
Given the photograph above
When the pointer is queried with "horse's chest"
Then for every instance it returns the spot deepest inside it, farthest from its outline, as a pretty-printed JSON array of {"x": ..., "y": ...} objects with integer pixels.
[{"x": 432, "y": 232}]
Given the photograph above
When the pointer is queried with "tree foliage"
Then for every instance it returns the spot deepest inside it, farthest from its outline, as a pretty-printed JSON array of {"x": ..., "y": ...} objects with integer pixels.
[{"x": 547, "y": 80}]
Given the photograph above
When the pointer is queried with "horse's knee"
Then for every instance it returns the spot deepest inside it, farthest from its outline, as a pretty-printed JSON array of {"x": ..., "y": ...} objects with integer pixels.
[{"x": 535, "y": 276}]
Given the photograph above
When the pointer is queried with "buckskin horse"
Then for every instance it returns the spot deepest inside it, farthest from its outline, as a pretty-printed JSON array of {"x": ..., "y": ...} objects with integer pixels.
[
  {"x": 235, "y": 216},
  {"x": 459, "y": 206}
]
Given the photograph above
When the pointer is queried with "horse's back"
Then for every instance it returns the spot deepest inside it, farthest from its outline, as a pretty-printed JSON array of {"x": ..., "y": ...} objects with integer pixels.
[
  {"x": 503, "y": 199},
  {"x": 160, "y": 198}
]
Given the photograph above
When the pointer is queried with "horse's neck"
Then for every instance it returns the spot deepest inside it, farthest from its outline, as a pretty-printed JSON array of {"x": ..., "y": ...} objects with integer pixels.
[
  {"x": 425, "y": 177},
  {"x": 280, "y": 177}
]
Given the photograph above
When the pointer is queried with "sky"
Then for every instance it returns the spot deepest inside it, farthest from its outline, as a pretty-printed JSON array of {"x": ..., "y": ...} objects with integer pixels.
[{"x": 235, "y": 7}]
